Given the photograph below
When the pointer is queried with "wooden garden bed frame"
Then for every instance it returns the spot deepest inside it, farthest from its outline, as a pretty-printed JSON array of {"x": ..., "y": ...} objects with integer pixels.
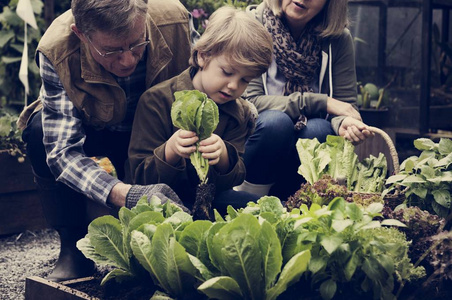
[{"x": 37, "y": 288}]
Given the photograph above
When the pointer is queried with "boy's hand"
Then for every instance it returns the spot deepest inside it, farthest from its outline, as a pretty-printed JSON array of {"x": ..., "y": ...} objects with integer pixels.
[
  {"x": 214, "y": 149},
  {"x": 180, "y": 144},
  {"x": 355, "y": 131}
]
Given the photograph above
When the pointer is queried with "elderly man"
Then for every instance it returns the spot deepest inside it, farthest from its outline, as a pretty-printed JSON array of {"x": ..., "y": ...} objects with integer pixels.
[{"x": 95, "y": 61}]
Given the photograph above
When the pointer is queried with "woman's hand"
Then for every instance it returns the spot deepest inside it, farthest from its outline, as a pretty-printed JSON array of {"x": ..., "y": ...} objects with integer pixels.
[
  {"x": 355, "y": 131},
  {"x": 340, "y": 108},
  {"x": 214, "y": 149},
  {"x": 180, "y": 144}
]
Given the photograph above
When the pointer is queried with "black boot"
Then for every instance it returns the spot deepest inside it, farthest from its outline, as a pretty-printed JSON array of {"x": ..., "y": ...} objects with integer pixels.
[
  {"x": 66, "y": 212},
  {"x": 71, "y": 262}
]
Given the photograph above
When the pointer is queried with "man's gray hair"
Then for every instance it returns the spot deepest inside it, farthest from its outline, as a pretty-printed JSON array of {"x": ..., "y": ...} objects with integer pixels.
[{"x": 108, "y": 16}]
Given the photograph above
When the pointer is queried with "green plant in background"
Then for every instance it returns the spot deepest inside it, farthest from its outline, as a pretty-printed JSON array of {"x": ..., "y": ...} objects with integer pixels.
[
  {"x": 10, "y": 136},
  {"x": 426, "y": 179},
  {"x": 202, "y": 9},
  {"x": 370, "y": 96},
  {"x": 12, "y": 91}
]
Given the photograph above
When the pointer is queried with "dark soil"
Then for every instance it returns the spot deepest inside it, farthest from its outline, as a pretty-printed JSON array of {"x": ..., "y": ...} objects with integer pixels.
[{"x": 202, "y": 208}]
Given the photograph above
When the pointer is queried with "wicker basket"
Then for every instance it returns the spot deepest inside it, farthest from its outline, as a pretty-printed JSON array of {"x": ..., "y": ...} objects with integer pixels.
[{"x": 391, "y": 200}]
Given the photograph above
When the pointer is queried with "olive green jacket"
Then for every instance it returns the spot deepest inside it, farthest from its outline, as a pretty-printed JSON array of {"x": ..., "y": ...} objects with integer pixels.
[
  {"x": 153, "y": 127},
  {"x": 92, "y": 89},
  {"x": 337, "y": 80}
]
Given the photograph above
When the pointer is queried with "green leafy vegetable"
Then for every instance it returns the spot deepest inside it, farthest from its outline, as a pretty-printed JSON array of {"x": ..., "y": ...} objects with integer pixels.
[
  {"x": 258, "y": 252},
  {"x": 248, "y": 252},
  {"x": 427, "y": 178},
  {"x": 336, "y": 157},
  {"x": 108, "y": 241},
  {"x": 194, "y": 111}
]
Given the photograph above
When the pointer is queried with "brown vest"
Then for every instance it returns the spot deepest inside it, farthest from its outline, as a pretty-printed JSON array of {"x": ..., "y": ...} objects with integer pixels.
[{"x": 92, "y": 89}]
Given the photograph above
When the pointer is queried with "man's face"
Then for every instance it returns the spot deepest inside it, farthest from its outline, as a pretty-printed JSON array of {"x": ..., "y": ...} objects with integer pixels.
[{"x": 106, "y": 49}]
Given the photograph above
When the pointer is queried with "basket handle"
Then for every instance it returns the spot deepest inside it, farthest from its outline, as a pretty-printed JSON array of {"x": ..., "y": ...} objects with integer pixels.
[{"x": 390, "y": 144}]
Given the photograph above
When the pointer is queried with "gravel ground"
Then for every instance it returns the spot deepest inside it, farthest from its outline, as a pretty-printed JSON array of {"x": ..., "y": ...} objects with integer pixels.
[{"x": 31, "y": 253}]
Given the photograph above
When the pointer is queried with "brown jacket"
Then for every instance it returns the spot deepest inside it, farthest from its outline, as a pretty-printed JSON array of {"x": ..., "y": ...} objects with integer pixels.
[
  {"x": 153, "y": 127},
  {"x": 92, "y": 89}
]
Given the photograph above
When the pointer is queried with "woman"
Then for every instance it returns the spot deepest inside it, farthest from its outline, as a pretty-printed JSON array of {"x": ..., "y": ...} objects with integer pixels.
[{"x": 309, "y": 91}]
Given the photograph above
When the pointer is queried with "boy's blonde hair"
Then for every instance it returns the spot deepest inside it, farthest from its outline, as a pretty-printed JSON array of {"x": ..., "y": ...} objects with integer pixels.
[
  {"x": 238, "y": 36},
  {"x": 331, "y": 21}
]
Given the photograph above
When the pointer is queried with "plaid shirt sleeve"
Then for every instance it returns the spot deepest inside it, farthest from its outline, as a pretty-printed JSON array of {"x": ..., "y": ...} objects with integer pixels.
[{"x": 64, "y": 137}]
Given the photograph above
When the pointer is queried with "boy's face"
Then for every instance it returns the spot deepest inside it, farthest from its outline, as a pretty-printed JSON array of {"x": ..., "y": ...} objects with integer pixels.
[{"x": 221, "y": 80}]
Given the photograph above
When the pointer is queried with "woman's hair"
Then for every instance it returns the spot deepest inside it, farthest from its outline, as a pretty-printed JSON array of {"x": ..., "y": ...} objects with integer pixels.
[
  {"x": 331, "y": 20},
  {"x": 109, "y": 16},
  {"x": 238, "y": 36}
]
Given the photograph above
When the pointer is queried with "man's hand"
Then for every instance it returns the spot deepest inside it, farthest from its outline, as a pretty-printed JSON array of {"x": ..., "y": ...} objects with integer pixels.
[
  {"x": 355, "y": 131},
  {"x": 161, "y": 190},
  {"x": 340, "y": 108},
  {"x": 118, "y": 193}
]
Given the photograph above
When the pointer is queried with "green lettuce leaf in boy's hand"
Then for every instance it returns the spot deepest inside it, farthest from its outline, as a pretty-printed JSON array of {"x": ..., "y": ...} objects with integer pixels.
[{"x": 194, "y": 111}]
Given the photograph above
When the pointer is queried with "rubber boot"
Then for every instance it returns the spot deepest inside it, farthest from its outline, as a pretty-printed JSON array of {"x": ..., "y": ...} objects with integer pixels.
[
  {"x": 65, "y": 211},
  {"x": 257, "y": 189},
  {"x": 71, "y": 263}
]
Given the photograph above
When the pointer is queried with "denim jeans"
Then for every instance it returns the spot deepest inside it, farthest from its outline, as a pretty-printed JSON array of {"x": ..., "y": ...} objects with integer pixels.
[{"x": 270, "y": 152}]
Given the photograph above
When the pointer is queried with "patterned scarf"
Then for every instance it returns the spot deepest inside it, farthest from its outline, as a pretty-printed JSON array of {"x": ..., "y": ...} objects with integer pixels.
[{"x": 297, "y": 60}]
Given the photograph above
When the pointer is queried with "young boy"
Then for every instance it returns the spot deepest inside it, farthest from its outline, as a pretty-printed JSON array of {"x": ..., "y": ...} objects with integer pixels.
[{"x": 234, "y": 49}]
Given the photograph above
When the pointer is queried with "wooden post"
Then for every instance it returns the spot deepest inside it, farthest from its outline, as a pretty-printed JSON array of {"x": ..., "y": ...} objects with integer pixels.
[{"x": 49, "y": 11}]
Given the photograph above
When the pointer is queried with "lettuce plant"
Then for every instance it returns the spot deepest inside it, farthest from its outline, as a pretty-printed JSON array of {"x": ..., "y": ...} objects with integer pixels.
[
  {"x": 109, "y": 240},
  {"x": 427, "y": 179},
  {"x": 258, "y": 252},
  {"x": 194, "y": 111},
  {"x": 248, "y": 254},
  {"x": 352, "y": 251},
  {"x": 337, "y": 158},
  {"x": 240, "y": 257}
]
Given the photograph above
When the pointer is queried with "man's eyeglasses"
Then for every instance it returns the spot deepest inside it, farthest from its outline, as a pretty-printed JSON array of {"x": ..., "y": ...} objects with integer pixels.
[{"x": 135, "y": 49}]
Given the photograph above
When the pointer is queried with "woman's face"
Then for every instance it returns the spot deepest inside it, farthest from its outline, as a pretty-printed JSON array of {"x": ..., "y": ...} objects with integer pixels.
[{"x": 298, "y": 13}]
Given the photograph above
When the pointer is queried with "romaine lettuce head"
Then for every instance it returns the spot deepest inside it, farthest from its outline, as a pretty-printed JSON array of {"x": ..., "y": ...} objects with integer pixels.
[{"x": 194, "y": 111}]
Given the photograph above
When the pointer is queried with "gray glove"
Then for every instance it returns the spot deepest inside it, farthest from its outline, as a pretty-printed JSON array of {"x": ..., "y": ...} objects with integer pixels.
[{"x": 161, "y": 190}]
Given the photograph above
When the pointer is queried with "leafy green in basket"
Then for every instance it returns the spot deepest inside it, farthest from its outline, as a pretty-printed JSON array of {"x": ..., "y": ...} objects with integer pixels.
[{"x": 337, "y": 158}]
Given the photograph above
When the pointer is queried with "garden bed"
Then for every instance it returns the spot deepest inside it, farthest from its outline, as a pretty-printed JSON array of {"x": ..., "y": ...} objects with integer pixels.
[
  {"x": 37, "y": 288},
  {"x": 88, "y": 288},
  {"x": 20, "y": 206}
]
